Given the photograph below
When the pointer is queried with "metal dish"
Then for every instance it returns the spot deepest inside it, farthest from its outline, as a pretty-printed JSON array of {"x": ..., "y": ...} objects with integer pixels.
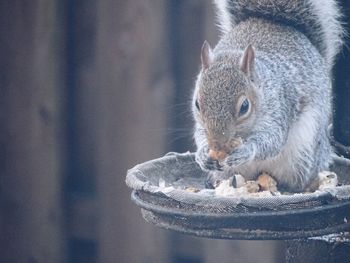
[{"x": 159, "y": 189}]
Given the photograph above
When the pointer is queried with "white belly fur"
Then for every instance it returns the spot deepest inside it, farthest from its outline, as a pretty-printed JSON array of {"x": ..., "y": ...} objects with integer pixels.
[{"x": 299, "y": 145}]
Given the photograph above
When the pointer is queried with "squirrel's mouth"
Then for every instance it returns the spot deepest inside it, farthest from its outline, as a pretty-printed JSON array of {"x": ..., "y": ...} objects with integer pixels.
[
  {"x": 217, "y": 155},
  {"x": 219, "y": 151}
]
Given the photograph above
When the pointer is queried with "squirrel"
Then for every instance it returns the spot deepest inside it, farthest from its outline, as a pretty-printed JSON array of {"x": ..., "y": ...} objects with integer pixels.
[{"x": 262, "y": 100}]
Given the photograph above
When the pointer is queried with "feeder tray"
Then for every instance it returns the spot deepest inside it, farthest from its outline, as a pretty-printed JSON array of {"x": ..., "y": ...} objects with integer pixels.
[{"x": 162, "y": 189}]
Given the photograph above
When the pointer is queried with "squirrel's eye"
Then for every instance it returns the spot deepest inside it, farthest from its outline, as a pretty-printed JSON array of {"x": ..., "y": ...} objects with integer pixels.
[
  {"x": 197, "y": 105},
  {"x": 244, "y": 107}
]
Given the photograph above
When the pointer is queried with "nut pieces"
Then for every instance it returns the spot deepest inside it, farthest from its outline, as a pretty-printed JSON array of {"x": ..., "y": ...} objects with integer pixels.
[{"x": 267, "y": 183}]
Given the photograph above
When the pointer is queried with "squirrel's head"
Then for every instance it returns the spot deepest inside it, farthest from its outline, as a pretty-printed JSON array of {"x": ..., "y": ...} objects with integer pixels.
[{"x": 225, "y": 98}]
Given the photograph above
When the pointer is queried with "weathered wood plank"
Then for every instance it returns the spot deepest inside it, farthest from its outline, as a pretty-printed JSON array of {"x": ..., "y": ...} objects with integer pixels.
[
  {"x": 30, "y": 132},
  {"x": 128, "y": 103}
]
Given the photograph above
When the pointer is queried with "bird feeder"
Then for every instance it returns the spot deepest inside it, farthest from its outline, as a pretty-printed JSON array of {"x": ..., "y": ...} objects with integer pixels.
[{"x": 171, "y": 194}]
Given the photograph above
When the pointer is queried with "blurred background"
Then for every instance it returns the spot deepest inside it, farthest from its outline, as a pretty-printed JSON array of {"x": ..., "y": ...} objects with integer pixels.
[{"x": 88, "y": 90}]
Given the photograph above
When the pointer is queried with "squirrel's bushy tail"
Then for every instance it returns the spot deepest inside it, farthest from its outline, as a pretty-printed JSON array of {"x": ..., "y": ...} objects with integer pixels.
[{"x": 319, "y": 20}]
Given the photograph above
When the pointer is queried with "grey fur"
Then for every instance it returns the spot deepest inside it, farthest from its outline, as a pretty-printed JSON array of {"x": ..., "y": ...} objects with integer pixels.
[
  {"x": 284, "y": 132},
  {"x": 319, "y": 20}
]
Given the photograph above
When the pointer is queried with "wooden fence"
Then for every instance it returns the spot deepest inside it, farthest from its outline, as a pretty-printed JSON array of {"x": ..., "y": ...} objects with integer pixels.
[{"x": 89, "y": 89}]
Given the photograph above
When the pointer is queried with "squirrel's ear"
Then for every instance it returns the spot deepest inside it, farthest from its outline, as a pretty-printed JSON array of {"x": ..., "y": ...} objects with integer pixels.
[
  {"x": 207, "y": 55},
  {"x": 247, "y": 61}
]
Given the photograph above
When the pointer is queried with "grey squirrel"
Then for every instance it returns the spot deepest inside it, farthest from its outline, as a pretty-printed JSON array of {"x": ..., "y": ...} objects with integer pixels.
[{"x": 262, "y": 99}]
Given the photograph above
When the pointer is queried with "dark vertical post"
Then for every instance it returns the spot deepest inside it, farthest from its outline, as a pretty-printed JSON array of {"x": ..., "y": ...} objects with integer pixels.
[
  {"x": 333, "y": 248},
  {"x": 187, "y": 20},
  {"x": 80, "y": 181},
  {"x": 31, "y": 48},
  {"x": 80, "y": 62},
  {"x": 342, "y": 89}
]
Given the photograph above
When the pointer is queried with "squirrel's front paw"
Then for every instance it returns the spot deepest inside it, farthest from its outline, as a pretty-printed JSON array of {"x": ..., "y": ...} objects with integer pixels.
[
  {"x": 205, "y": 162},
  {"x": 240, "y": 156}
]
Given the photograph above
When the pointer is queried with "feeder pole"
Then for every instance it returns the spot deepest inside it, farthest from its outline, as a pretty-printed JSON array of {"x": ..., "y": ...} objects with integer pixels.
[{"x": 326, "y": 249}]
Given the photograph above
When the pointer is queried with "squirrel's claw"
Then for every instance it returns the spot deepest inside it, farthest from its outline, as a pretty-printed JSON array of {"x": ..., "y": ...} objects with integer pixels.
[
  {"x": 209, "y": 164},
  {"x": 239, "y": 157},
  {"x": 212, "y": 164},
  {"x": 205, "y": 162}
]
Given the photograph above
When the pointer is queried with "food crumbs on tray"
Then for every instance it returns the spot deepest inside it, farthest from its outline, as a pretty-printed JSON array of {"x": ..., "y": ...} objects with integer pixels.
[
  {"x": 327, "y": 179},
  {"x": 192, "y": 189},
  {"x": 266, "y": 185}
]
